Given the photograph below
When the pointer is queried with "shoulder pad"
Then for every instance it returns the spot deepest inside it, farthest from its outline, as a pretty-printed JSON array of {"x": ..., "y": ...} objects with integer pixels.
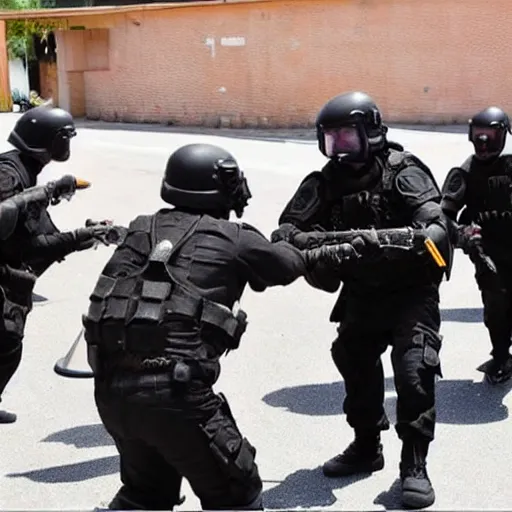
[
  {"x": 454, "y": 185},
  {"x": 405, "y": 160},
  {"x": 249, "y": 227},
  {"x": 306, "y": 200},
  {"x": 454, "y": 190},
  {"x": 416, "y": 186},
  {"x": 10, "y": 183},
  {"x": 141, "y": 223}
]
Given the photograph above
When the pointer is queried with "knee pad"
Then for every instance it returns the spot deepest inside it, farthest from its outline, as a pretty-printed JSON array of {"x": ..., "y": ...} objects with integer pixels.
[
  {"x": 235, "y": 456},
  {"x": 419, "y": 355}
]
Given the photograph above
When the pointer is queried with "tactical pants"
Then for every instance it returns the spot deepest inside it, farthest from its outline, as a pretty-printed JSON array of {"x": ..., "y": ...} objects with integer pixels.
[
  {"x": 411, "y": 325},
  {"x": 158, "y": 448},
  {"x": 496, "y": 294},
  {"x": 11, "y": 349}
]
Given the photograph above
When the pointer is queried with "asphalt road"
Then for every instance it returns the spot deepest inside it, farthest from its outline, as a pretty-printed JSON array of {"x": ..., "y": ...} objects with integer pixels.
[{"x": 282, "y": 385}]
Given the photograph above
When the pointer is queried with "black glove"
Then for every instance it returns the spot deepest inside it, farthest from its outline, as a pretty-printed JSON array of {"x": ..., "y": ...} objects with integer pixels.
[
  {"x": 62, "y": 188},
  {"x": 284, "y": 233},
  {"x": 85, "y": 238},
  {"x": 364, "y": 246},
  {"x": 469, "y": 237},
  {"x": 367, "y": 245},
  {"x": 332, "y": 255}
]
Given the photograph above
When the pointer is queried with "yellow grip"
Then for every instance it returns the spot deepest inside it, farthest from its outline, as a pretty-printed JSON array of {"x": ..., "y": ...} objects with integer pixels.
[
  {"x": 81, "y": 184},
  {"x": 434, "y": 252}
]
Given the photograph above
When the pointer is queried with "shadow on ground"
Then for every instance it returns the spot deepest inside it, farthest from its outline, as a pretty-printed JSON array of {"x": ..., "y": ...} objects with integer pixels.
[
  {"x": 84, "y": 436},
  {"x": 463, "y": 315},
  {"x": 306, "y": 488},
  {"x": 459, "y": 402},
  {"x": 77, "y": 472}
]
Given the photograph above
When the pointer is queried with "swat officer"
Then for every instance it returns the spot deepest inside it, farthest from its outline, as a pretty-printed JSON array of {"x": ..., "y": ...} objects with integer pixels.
[
  {"x": 481, "y": 187},
  {"x": 162, "y": 313},
  {"x": 40, "y": 135},
  {"x": 389, "y": 297}
]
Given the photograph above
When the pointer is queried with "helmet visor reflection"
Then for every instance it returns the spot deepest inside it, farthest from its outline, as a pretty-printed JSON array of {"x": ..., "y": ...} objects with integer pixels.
[{"x": 343, "y": 140}]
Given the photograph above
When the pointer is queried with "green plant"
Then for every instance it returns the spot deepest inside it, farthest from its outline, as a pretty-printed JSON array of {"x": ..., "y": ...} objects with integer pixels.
[{"x": 20, "y": 33}]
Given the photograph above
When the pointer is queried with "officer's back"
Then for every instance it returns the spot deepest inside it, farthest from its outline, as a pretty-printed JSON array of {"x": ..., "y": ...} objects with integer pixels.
[{"x": 161, "y": 314}]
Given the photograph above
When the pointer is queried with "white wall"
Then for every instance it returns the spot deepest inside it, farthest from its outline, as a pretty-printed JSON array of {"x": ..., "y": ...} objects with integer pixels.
[{"x": 18, "y": 76}]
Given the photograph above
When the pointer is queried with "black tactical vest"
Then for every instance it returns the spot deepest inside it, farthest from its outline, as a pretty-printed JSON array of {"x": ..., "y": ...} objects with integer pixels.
[
  {"x": 376, "y": 206},
  {"x": 489, "y": 188},
  {"x": 16, "y": 284},
  {"x": 138, "y": 312},
  {"x": 379, "y": 207}
]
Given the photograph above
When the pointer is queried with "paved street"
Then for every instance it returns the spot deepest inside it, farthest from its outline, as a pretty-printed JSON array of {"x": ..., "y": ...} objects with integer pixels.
[{"x": 282, "y": 385}]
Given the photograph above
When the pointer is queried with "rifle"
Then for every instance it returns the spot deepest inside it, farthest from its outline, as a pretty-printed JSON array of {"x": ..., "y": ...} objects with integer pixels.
[
  {"x": 31, "y": 201},
  {"x": 406, "y": 238}
]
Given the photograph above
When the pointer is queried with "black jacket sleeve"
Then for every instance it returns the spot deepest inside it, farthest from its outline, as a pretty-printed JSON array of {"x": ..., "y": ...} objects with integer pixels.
[
  {"x": 304, "y": 210},
  {"x": 422, "y": 200},
  {"x": 48, "y": 247},
  {"x": 267, "y": 264}
]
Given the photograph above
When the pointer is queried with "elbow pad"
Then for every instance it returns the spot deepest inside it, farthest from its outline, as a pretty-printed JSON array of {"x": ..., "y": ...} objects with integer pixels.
[{"x": 9, "y": 212}]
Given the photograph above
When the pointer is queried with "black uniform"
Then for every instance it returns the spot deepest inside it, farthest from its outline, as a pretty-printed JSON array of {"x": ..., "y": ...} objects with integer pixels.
[
  {"x": 483, "y": 191},
  {"x": 161, "y": 316},
  {"x": 390, "y": 299},
  {"x": 480, "y": 190},
  {"x": 41, "y": 135}
]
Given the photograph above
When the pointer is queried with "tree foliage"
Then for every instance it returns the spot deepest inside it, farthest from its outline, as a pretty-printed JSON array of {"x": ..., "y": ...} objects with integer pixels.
[{"x": 20, "y": 33}]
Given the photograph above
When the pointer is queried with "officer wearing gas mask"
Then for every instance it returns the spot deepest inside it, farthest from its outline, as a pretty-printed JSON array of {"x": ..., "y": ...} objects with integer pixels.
[
  {"x": 480, "y": 189},
  {"x": 163, "y": 312},
  {"x": 390, "y": 297},
  {"x": 40, "y": 135}
]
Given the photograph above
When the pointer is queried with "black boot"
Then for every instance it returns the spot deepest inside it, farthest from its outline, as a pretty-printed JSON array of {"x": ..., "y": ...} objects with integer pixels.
[
  {"x": 126, "y": 499},
  {"x": 363, "y": 455},
  {"x": 417, "y": 490},
  {"x": 7, "y": 417},
  {"x": 499, "y": 370}
]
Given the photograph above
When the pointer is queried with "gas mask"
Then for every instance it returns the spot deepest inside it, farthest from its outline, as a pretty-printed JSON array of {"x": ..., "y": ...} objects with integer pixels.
[
  {"x": 488, "y": 141},
  {"x": 233, "y": 184},
  {"x": 60, "y": 149}
]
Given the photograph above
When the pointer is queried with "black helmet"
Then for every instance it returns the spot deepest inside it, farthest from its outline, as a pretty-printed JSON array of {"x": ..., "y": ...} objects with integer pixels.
[
  {"x": 349, "y": 127},
  {"x": 205, "y": 178},
  {"x": 488, "y": 132},
  {"x": 44, "y": 134}
]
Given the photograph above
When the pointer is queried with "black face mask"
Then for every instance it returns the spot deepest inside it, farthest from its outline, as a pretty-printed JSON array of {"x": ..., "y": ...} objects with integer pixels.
[
  {"x": 487, "y": 141},
  {"x": 232, "y": 182},
  {"x": 60, "y": 150}
]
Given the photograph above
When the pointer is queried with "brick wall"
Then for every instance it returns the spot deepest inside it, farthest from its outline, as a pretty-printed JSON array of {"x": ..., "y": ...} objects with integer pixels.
[{"x": 423, "y": 61}]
